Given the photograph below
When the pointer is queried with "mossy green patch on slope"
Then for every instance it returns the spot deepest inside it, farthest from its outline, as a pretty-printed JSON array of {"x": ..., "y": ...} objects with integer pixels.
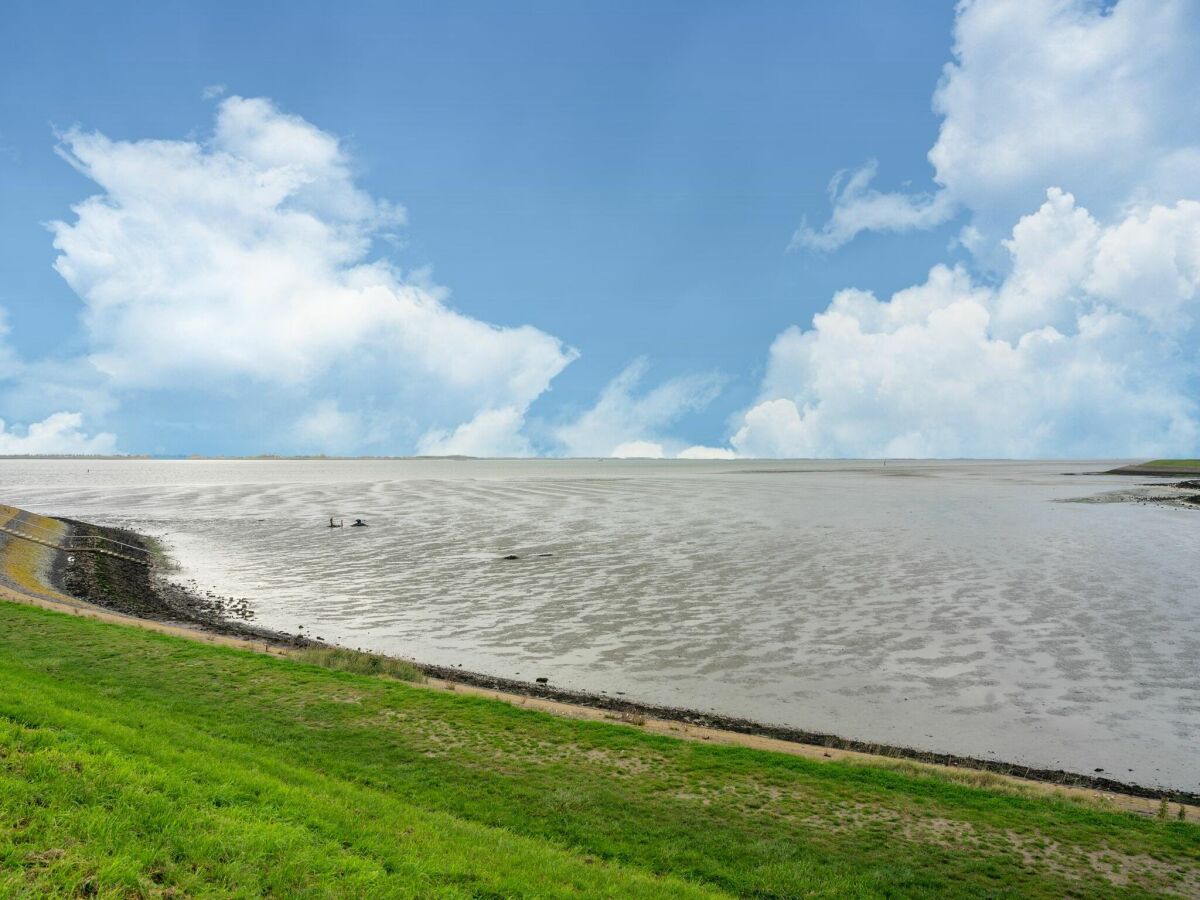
[
  {"x": 133, "y": 763},
  {"x": 23, "y": 563}
]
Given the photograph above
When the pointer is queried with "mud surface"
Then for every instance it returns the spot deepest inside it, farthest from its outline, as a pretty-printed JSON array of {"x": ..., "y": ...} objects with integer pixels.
[{"x": 1149, "y": 493}]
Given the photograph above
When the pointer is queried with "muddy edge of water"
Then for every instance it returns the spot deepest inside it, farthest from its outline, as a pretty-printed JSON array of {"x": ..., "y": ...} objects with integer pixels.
[{"x": 148, "y": 593}]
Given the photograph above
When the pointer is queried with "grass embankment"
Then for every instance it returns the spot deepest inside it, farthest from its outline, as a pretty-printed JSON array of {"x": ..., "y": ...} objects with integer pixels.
[
  {"x": 1160, "y": 467},
  {"x": 133, "y": 763}
]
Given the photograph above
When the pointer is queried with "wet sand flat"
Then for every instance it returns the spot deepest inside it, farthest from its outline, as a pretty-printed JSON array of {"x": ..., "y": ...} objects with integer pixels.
[{"x": 956, "y": 607}]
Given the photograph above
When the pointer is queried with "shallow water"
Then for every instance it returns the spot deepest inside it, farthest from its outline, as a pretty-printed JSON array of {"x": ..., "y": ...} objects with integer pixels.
[{"x": 948, "y": 606}]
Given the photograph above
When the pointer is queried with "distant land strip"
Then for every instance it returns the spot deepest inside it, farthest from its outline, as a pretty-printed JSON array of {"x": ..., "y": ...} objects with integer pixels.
[{"x": 1167, "y": 467}]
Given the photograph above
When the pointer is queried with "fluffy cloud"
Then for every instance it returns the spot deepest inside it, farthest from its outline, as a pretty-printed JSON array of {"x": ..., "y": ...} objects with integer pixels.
[
  {"x": 638, "y": 450},
  {"x": 1101, "y": 99},
  {"x": 28, "y": 390},
  {"x": 1083, "y": 338},
  {"x": 494, "y": 432},
  {"x": 655, "y": 450},
  {"x": 59, "y": 433},
  {"x": 624, "y": 418},
  {"x": 242, "y": 263},
  {"x": 699, "y": 452},
  {"x": 1088, "y": 347},
  {"x": 327, "y": 428}
]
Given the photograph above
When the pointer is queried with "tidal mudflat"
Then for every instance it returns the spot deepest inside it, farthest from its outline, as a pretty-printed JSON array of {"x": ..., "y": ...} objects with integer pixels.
[{"x": 956, "y": 607}]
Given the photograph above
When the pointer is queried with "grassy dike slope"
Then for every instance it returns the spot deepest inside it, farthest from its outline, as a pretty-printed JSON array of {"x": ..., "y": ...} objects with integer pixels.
[
  {"x": 1166, "y": 467},
  {"x": 140, "y": 764}
]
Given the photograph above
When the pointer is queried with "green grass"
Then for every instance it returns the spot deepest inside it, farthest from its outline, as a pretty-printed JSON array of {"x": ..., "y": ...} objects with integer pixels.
[
  {"x": 136, "y": 764},
  {"x": 1172, "y": 464},
  {"x": 358, "y": 662}
]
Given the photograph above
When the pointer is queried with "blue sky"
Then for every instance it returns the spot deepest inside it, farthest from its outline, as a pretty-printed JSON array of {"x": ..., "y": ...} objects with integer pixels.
[{"x": 627, "y": 179}]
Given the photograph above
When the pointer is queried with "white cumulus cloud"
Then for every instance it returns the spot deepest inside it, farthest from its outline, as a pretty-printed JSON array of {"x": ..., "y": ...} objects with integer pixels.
[
  {"x": 624, "y": 417},
  {"x": 29, "y": 390},
  {"x": 1070, "y": 136},
  {"x": 638, "y": 450},
  {"x": 1069, "y": 355},
  {"x": 1101, "y": 99},
  {"x": 493, "y": 432},
  {"x": 701, "y": 452},
  {"x": 58, "y": 433},
  {"x": 242, "y": 263}
]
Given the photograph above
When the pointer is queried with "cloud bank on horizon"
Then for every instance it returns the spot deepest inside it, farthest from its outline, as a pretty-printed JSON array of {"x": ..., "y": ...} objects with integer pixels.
[
  {"x": 243, "y": 262},
  {"x": 245, "y": 267},
  {"x": 1077, "y": 128}
]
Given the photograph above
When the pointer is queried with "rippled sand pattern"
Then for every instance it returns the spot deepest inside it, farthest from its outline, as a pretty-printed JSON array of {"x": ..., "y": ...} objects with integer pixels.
[{"x": 953, "y": 607}]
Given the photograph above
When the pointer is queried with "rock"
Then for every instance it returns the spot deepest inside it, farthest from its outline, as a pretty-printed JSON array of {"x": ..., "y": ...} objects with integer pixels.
[
  {"x": 512, "y": 556},
  {"x": 542, "y": 680}
]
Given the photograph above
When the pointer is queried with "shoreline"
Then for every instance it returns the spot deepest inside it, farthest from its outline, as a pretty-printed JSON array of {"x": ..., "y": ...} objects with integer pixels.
[
  {"x": 1177, "y": 494},
  {"x": 128, "y": 593}
]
